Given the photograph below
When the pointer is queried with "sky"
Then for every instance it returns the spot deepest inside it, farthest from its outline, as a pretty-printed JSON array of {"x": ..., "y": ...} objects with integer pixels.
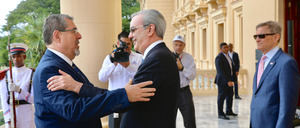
[{"x": 5, "y": 7}]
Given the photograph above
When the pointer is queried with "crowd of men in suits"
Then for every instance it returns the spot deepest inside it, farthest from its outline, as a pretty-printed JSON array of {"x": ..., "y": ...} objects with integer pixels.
[{"x": 65, "y": 98}]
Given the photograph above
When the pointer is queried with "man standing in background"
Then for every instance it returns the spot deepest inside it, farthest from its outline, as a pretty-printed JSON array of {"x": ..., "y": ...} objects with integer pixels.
[
  {"x": 236, "y": 61},
  {"x": 119, "y": 72},
  {"x": 225, "y": 81},
  {"x": 187, "y": 72}
]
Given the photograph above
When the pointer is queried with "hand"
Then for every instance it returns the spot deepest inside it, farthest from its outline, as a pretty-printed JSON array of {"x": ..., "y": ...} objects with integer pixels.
[
  {"x": 13, "y": 87},
  {"x": 8, "y": 124},
  {"x": 179, "y": 64},
  {"x": 124, "y": 64},
  {"x": 63, "y": 82},
  {"x": 230, "y": 84},
  {"x": 237, "y": 73},
  {"x": 136, "y": 92}
]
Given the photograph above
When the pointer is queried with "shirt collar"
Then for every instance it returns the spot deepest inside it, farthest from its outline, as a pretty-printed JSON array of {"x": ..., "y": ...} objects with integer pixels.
[
  {"x": 150, "y": 47},
  {"x": 271, "y": 53},
  {"x": 65, "y": 58},
  {"x": 225, "y": 54}
]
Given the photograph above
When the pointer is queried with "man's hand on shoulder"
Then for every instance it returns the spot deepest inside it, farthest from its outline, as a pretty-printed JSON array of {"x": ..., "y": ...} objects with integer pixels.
[
  {"x": 63, "y": 82},
  {"x": 137, "y": 92}
]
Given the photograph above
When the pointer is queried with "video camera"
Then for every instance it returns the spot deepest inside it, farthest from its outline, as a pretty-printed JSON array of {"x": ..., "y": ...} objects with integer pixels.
[{"x": 120, "y": 55}]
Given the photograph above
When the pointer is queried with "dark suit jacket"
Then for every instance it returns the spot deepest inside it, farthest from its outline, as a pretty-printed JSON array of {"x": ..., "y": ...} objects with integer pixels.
[
  {"x": 160, "y": 67},
  {"x": 223, "y": 75},
  {"x": 65, "y": 109},
  {"x": 236, "y": 61},
  {"x": 274, "y": 101}
]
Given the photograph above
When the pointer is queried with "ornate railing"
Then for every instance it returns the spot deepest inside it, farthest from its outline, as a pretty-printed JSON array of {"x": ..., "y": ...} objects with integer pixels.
[{"x": 204, "y": 84}]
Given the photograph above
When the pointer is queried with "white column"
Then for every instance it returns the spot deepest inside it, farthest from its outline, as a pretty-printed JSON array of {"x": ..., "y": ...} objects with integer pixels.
[{"x": 99, "y": 22}]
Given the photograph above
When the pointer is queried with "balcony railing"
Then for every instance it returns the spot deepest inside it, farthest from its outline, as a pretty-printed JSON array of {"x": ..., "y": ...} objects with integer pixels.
[{"x": 204, "y": 84}]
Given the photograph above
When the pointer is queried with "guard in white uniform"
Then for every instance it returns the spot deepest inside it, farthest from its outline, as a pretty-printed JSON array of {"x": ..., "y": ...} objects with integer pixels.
[
  {"x": 21, "y": 86},
  {"x": 187, "y": 72},
  {"x": 119, "y": 73}
]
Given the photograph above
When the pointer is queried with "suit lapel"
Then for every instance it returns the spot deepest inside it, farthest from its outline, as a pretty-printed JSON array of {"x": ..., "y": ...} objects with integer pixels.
[
  {"x": 66, "y": 67},
  {"x": 269, "y": 67},
  {"x": 226, "y": 62},
  {"x": 255, "y": 78}
]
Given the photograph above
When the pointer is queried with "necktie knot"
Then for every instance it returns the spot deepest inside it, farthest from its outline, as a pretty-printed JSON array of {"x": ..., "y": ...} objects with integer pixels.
[{"x": 263, "y": 58}]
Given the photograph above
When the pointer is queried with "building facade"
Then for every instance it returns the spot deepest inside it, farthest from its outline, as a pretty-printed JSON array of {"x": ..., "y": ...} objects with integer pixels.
[{"x": 207, "y": 23}]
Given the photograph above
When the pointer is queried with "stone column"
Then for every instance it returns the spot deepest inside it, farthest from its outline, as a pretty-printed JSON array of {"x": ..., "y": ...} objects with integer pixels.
[{"x": 99, "y": 22}]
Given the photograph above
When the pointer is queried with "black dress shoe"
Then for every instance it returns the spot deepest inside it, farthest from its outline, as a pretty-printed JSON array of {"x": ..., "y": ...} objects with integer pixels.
[
  {"x": 237, "y": 97},
  {"x": 224, "y": 117},
  {"x": 231, "y": 114}
]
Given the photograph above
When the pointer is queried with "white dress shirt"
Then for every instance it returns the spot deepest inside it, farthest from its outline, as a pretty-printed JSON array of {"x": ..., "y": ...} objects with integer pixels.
[
  {"x": 65, "y": 58},
  {"x": 117, "y": 75},
  {"x": 189, "y": 69}
]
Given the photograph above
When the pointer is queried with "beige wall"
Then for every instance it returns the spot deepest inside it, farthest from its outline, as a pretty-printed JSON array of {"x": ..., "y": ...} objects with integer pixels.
[
  {"x": 99, "y": 22},
  {"x": 166, "y": 7}
]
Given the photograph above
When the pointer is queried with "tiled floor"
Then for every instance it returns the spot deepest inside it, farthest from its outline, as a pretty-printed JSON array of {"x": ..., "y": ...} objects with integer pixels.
[{"x": 207, "y": 117}]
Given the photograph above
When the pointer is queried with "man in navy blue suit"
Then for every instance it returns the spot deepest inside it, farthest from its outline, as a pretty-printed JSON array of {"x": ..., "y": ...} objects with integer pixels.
[
  {"x": 276, "y": 81},
  {"x": 147, "y": 29},
  {"x": 225, "y": 80},
  {"x": 82, "y": 104},
  {"x": 236, "y": 62}
]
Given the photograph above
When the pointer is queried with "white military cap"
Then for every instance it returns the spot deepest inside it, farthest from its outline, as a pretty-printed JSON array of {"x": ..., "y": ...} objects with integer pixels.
[{"x": 16, "y": 48}]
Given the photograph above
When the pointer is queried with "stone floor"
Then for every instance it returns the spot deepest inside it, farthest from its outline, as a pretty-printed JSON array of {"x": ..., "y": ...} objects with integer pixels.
[{"x": 207, "y": 117}]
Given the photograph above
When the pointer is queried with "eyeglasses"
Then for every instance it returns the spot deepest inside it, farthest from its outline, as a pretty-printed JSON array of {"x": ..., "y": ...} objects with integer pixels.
[
  {"x": 133, "y": 28},
  {"x": 74, "y": 30},
  {"x": 262, "y": 36}
]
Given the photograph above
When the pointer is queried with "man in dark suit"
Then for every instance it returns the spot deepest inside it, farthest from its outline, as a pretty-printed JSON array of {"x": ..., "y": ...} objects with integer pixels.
[
  {"x": 66, "y": 109},
  {"x": 276, "y": 81},
  {"x": 147, "y": 29},
  {"x": 225, "y": 81},
  {"x": 236, "y": 62}
]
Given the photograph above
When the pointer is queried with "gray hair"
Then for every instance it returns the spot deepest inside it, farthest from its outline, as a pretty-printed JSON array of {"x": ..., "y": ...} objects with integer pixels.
[
  {"x": 151, "y": 16},
  {"x": 54, "y": 22},
  {"x": 273, "y": 26}
]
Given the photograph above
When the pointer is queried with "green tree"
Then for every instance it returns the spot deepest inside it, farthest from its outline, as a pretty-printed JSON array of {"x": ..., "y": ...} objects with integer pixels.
[
  {"x": 25, "y": 25},
  {"x": 128, "y": 7}
]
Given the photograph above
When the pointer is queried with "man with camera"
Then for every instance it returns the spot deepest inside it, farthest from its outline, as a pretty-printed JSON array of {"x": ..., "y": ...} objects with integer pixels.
[
  {"x": 187, "y": 72},
  {"x": 117, "y": 68}
]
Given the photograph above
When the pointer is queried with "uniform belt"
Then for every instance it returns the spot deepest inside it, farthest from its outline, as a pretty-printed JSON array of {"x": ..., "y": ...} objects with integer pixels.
[
  {"x": 186, "y": 87},
  {"x": 19, "y": 102}
]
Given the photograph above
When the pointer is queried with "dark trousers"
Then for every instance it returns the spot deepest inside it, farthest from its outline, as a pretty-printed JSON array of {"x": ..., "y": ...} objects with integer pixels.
[
  {"x": 114, "y": 122},
  {"x": 225, "y": 92},
  {"x": 186, "y": 107},
  {"x": 236, "y": 89}
]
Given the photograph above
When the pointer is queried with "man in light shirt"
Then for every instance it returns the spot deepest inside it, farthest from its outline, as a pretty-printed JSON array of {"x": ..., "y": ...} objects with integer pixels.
[
  {"x": 187, "y": 72},
  {"x": 119, "y": 73}
]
